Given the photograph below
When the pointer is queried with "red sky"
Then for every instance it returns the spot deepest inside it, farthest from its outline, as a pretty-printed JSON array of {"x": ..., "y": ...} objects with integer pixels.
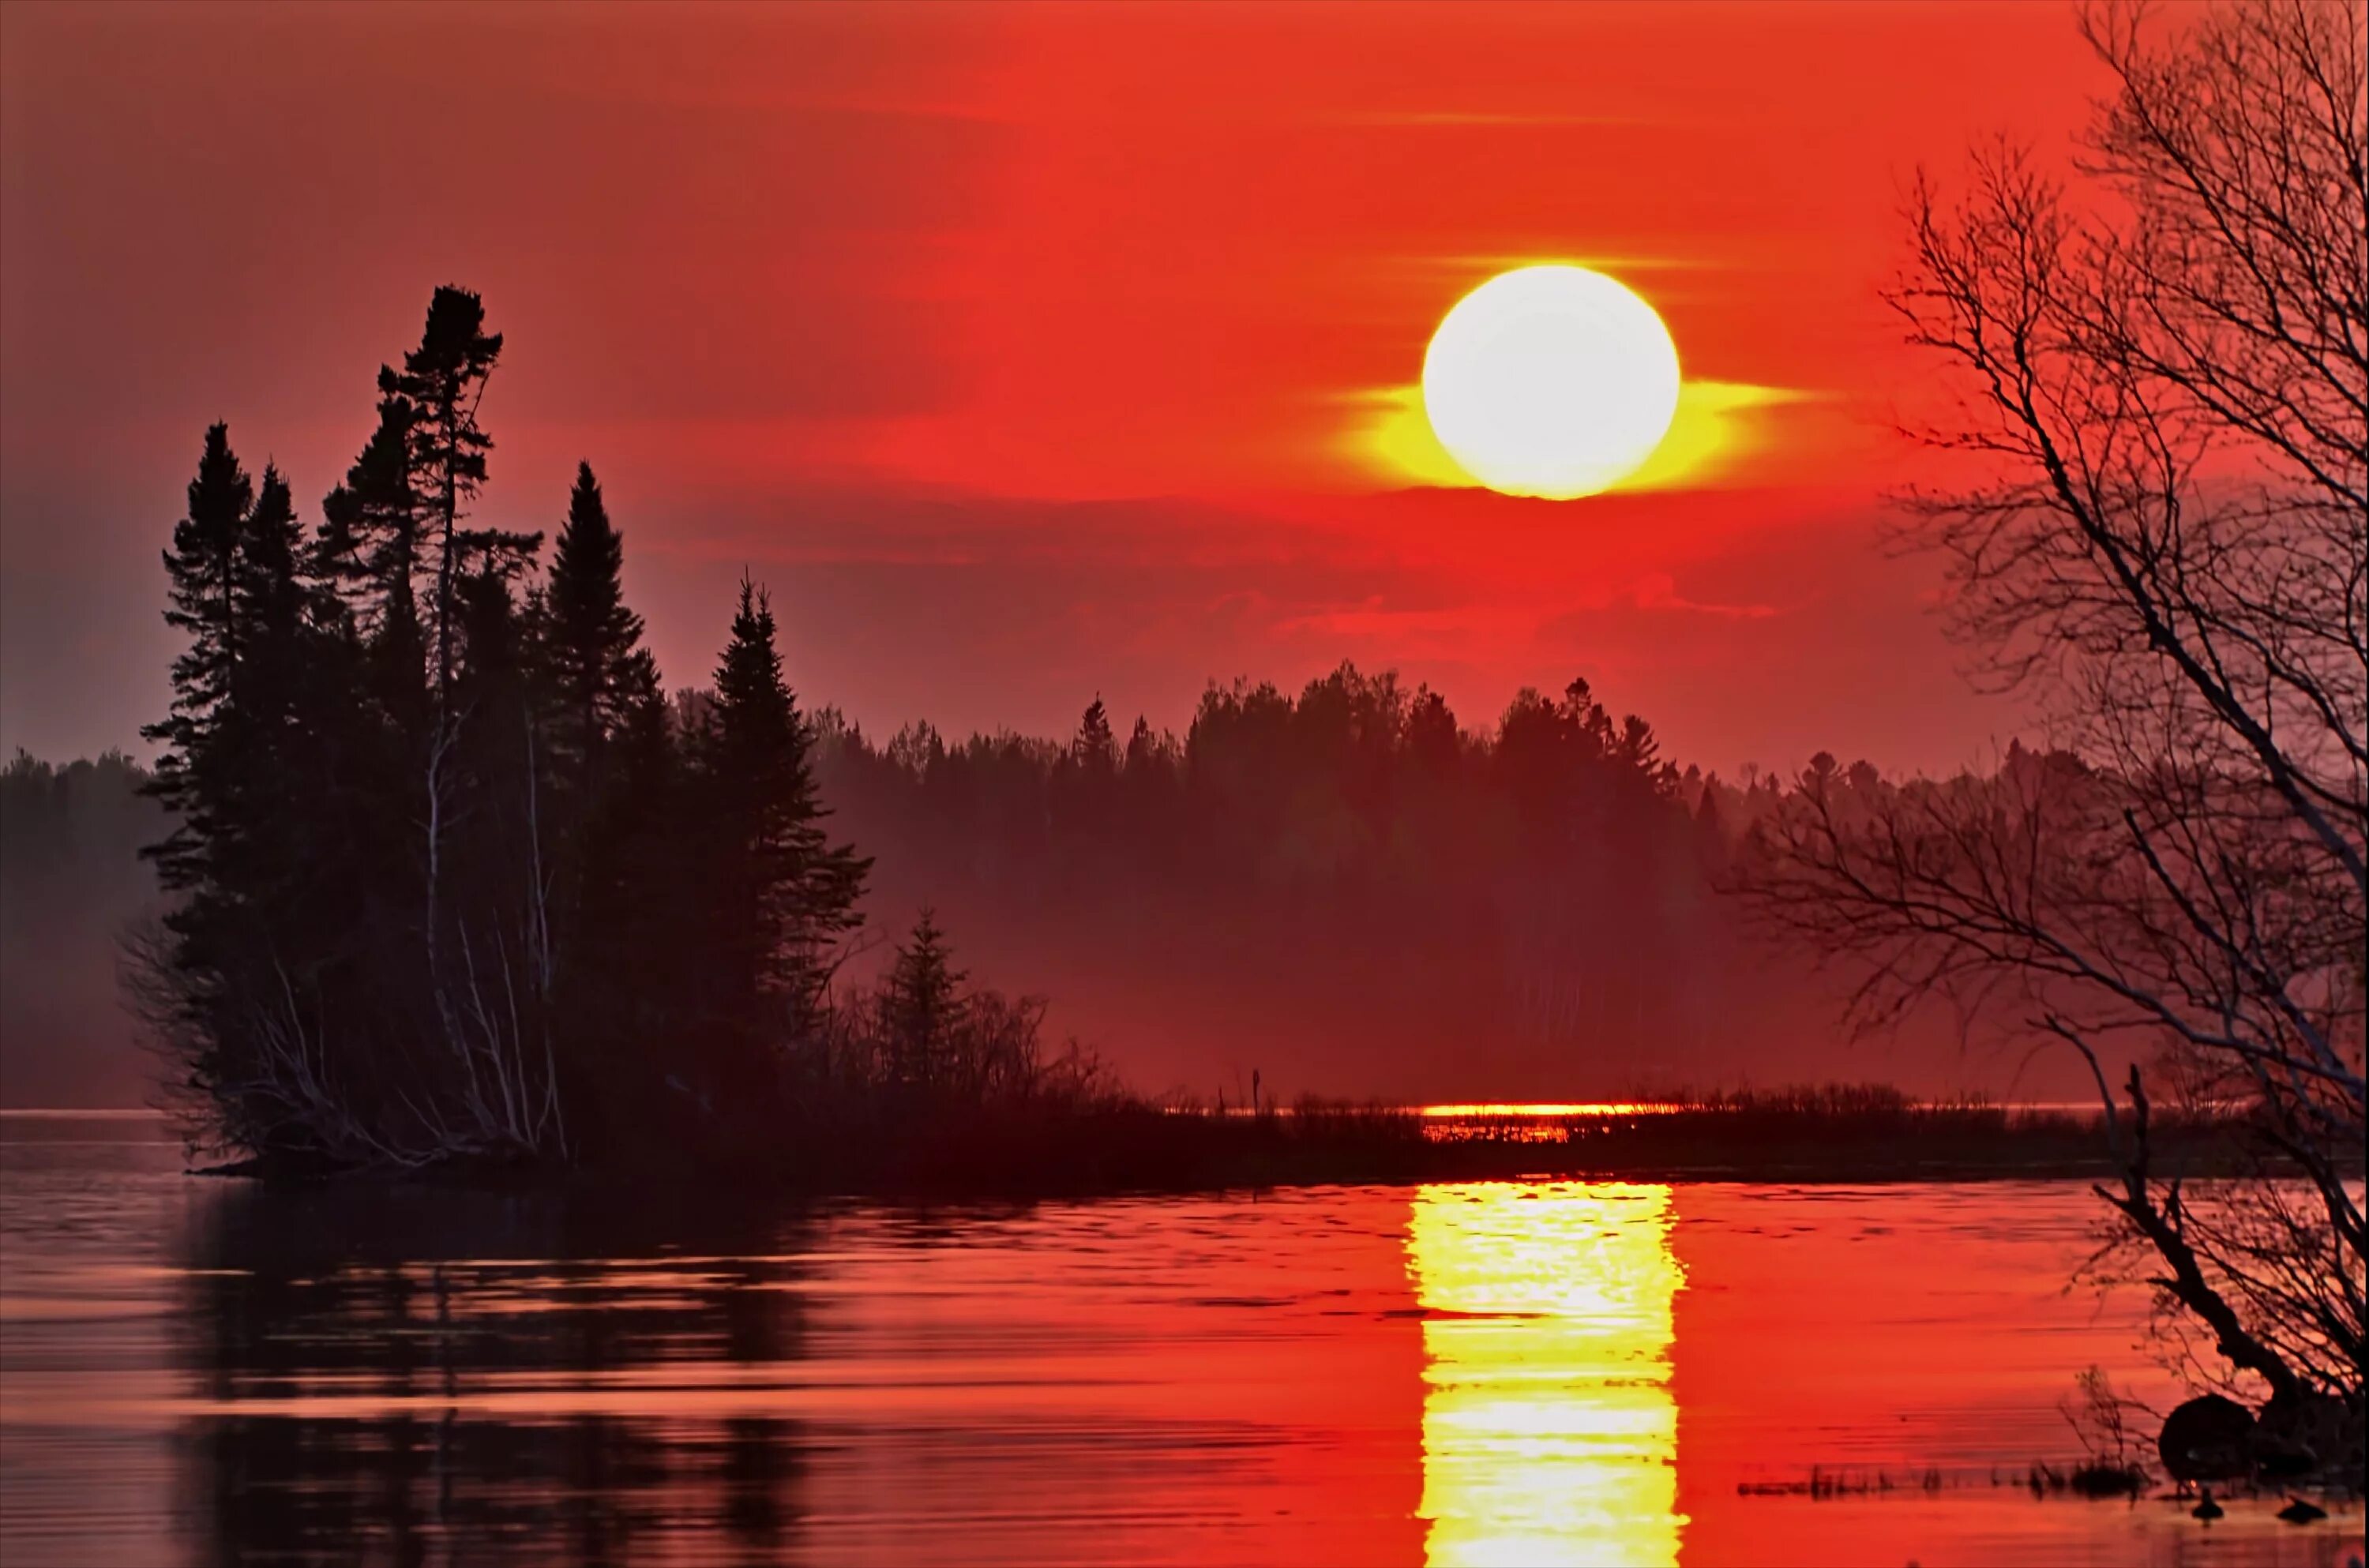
[{"x": 1025, "y": 351}]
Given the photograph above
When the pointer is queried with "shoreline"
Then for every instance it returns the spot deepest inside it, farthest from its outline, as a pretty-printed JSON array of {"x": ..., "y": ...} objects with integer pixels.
[{"x": 1127, "y": 1150}]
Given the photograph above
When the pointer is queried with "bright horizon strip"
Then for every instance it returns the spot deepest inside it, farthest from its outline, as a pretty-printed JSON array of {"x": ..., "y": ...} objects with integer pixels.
[
  {"x": 1550, "y": 1431},
  {"x": 1549, "y": 1108}
]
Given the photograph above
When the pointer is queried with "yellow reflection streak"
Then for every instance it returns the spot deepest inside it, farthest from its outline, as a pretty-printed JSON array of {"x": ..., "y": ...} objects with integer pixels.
[{"x": 1550, "y": 1435}]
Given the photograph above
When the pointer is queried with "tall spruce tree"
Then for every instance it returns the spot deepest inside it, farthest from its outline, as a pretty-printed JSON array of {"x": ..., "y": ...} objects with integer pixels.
[
  {"x": 228, "y": 772},
  {"x": 782, "y": 893},
  {"x": 442, "y": 379},
  {"x": 273, "y": 605},
  {"x": 633, "y": 897},
  {"x": 368, "y": 550},
  {"x": 922, "y": 1008},
  {"x": 203, "y": 569},
  {"x": 288, "y": 725},
  {"x": 1096, "y": 749},
  {"x": 592, "y": 639}
]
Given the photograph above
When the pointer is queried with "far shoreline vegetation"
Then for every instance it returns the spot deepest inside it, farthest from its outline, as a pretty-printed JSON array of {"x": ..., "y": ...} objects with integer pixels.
[
  {"x": 1014, "y": 1118},
  {"x": 1117, "y": 1144}
]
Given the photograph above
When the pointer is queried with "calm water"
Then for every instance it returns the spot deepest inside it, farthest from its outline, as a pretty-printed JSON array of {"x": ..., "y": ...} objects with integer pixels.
[{"x": 192, "y": 1370}]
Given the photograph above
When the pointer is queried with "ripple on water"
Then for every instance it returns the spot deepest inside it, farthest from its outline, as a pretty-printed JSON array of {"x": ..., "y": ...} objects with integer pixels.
[{"x": 1484, "y": 1372}]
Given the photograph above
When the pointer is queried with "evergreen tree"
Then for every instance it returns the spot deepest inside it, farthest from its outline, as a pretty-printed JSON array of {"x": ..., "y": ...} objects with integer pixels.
[
  {"x": 443, "y": 381},
  {"x": 291, "y": 723},
  {"x": 593, "y": 639},
  {"x": 203, "y": 569},
  {"x": 634, "y": 865},
  {"x": 367, "y": 551},
  {"x": 1142, "y": 746},
  {"x": 275, "y": 667},
  {"x": 273, "y": 605},
  {"x": 1096, "y": 747},
  {"x": 1638, "y": 746},
  {"x": 782, "y": 894},
  {"x": 1430, "y": 734},
  {"x": 921, "y": 1007},
  {"x": 334, "y": 559},
  {"x": 238, "y": 852}
]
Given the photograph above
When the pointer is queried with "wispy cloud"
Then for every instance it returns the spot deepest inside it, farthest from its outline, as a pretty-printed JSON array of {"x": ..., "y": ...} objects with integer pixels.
[
  {"x": 1483, "y": 119},
  {"x": 1659, "y": 591}
]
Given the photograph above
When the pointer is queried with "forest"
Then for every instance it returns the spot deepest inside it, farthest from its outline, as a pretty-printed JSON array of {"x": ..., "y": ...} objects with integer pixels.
[
  {"x": 1337, "y": 885},
  {"x": 71, "y": 882}
]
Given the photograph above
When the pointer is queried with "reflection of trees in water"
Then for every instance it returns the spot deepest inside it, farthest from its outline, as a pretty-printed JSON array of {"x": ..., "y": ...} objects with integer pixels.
[
  {"x": 379, "y": 1325},
  {"x": 447, "y": 1489}
]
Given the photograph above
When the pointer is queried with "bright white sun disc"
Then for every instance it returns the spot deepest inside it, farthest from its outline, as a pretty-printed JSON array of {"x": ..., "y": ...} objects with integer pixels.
[{"x": 1550, "y": 380}]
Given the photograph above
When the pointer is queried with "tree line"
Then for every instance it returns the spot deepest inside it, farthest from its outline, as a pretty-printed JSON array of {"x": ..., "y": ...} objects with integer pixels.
[
  {"x": 70, "y": 879},
  {"x": 1339, "y": 884}
]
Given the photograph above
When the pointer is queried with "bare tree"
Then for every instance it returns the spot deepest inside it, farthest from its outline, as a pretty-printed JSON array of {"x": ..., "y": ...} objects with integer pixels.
[{"x": 2161, "y": 379}]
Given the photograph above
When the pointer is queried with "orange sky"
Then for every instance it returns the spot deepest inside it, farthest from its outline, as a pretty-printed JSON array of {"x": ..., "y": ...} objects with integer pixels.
[{"x": 1025, "y": 351}]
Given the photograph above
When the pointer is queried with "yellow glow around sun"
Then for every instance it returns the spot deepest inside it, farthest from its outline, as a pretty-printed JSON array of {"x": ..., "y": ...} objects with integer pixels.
[{"x": 1550, "y": 380}]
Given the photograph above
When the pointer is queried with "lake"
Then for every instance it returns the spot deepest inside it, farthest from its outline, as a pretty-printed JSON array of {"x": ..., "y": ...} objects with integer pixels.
[{"x": 197, "y": 1370}]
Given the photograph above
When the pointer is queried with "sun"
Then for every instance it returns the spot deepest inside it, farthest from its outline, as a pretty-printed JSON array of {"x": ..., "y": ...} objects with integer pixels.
[{"x": 1550, "y": 380}]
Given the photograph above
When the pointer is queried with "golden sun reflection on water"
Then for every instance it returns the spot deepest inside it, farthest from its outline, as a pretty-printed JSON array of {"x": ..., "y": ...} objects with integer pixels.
[{"x": 1550, "y": 1435}]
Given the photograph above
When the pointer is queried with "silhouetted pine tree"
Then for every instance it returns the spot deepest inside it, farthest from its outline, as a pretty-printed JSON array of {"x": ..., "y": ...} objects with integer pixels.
[
  {"x": 625, "y": 990},
  {"x": 779, "y": 895},
  {"x": 1095, "y": 749},
  {"x": 1431, "y": 737},
  {"x": 500, "y": 787},
  {"x": 1142, "y": 746},
  {"x": 442, "y": 381},
  {"x": 229, "y": 773},
  {"x": 274, "y": 609},
  {"x": 367, "y": 551},
  {"x": 333, "y": 560},
  {"x": 352, "y": 766},
  {"x": 203, "y": 568},
  {"x": 275, "y": 726},
  {"x": 593, "y": 638},
  {"x": 922, "y": 1009},
  {"x": 368, "y": 789}
]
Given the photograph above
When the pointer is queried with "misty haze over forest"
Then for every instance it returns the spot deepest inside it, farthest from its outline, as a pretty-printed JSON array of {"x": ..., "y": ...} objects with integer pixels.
[{"x": 1351, "y": 891}]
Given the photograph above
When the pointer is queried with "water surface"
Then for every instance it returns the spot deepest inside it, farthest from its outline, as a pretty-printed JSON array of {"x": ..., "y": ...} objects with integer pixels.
[{"x": 199, "y": 1371}]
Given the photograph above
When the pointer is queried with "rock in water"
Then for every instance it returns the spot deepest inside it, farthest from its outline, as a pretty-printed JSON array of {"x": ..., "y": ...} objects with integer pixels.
[
  {"x": 2208, "y": 1438},
  {"x": 2280, "y": 1461},
  {"x": 2298, "y": 1512},
  {"x": 2308, "y": 1435}
]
